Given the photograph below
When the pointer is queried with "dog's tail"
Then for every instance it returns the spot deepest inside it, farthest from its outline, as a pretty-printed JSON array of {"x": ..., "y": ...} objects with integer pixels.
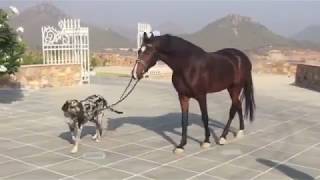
[
  {"x": 105, "y": 105},
  {"x": 113, "y": 110}
]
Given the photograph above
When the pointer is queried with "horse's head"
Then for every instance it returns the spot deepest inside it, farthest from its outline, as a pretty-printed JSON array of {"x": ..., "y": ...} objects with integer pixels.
[{"x": 147, "y": 56}]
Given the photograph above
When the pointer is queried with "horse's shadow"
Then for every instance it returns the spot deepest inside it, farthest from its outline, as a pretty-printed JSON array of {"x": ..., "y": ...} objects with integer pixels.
[
  {"x": 285, "y": 169},
  {"x": 168, "y": 123}
]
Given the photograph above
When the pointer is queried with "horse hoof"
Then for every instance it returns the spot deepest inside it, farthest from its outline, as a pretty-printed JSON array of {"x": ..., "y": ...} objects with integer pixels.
[
  {"x": 240, "y": 134},
  {"x": 178, "y": 151},
  {"x": 74, "y": 150},
  {"x": 97, "y": 140},
  {"x": 205, "y": 145},
  {"x": 94, "y": 137},
  {"x": 222, "y": 141}
]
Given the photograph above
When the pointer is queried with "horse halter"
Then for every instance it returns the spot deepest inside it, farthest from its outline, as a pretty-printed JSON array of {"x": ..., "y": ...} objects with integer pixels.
[
  {"x": 142, "y": 63},
  {"x": 135, "y": 66}
]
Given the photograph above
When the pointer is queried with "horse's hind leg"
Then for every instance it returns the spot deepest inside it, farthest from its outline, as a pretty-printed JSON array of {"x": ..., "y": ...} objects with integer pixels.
[
  {"x": 235, "y": 107},
  {"x": 240, "y": 133},
  {"x": 202, "y": 100}
]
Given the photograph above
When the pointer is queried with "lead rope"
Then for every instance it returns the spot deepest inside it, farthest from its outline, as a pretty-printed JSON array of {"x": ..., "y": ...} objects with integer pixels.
[
  {"x": 129, "y": 81},
  {"x": 124, "y": 95}
]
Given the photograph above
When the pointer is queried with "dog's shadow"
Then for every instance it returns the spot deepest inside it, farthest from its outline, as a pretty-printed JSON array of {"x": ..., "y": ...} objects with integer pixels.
[
  {"x": 87, "y": 130},
  {"x": 165, "y": 124},
  {"x": 162, "y": 125}
]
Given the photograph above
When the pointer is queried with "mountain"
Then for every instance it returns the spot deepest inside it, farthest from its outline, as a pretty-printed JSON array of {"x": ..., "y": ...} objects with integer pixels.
[
  {"x": 311, "y": 33},
  {"x": 130, "y": 31},
  {"x": 44, "y": 14},
  {"x": 169, "y": 28},
  {"x": 239, "y": 32}
]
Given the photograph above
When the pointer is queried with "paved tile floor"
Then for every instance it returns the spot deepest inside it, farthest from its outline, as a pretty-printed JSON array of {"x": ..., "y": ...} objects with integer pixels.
[{"x": 282, "y": 143}]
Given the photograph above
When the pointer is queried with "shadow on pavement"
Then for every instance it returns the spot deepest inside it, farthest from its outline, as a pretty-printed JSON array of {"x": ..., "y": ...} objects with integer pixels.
[
  {"x": 87, "y": 130},
  {"x": 287, "y": 170},
  {"x": 8, "y": 96},
  {"x": 168, "y": 123}
]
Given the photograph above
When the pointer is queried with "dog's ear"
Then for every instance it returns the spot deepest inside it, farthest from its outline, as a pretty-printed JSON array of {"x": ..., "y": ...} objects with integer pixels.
[{"x": 65, "y": 106}]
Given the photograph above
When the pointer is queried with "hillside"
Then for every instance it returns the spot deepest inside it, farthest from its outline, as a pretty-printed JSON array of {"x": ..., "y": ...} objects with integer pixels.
[
  {"x": 34, "y": 18},
  {"x": 311, "y": 33},
  {"x": 239, "y": 32},
  {"x": 169, "y": 28}
]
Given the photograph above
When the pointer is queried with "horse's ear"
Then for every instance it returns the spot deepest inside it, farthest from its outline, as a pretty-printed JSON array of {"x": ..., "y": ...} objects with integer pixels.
[
  {"x": 152, "y": 36},
  {"x": 145, "y": 37}
]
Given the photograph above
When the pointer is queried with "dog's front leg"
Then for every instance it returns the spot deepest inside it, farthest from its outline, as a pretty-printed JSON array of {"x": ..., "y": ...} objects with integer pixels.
[
  {"x": 98, "y": 122},
  {"x": 77, "y": 139},
  {"x": 71, "y": 129},
  {"x": 95, "y": 121}
]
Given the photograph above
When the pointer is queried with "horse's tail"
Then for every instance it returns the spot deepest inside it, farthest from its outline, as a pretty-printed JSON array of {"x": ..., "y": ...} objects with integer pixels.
[
  {"x": 248, "y": 91},
  {"x": 248, "y": 96}
]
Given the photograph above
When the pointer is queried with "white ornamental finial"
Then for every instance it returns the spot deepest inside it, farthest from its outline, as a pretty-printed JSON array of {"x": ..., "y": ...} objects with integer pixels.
[
  {"x": 20, "y": 29},
  {"x": 14, "y": 10},
  {"x": 3, "y": 68}
]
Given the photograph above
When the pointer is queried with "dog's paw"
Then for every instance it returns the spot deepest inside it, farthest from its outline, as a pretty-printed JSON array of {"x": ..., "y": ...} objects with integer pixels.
[{"x": 98, "y": 140}]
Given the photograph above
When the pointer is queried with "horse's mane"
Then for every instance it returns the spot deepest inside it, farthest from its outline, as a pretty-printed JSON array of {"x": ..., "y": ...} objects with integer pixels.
[{"x": 176, "y": 45}]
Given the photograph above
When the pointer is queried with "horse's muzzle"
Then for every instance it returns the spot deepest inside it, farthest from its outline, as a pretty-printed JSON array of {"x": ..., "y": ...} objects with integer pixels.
[{"x": 138, "y": 72}]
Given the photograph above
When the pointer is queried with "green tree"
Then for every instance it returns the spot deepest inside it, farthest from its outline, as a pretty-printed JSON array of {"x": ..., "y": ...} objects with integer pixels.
[{"x": 11, "y": 49}]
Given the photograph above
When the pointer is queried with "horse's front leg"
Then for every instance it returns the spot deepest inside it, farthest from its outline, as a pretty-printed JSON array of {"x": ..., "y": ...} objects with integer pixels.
[
  {"x": 202, "y": 100},
  {"x": 184, "y": 103}
]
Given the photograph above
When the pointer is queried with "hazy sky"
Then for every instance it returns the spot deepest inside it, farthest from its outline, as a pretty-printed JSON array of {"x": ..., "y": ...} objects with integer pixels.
[{"x": 283, "y": 17}]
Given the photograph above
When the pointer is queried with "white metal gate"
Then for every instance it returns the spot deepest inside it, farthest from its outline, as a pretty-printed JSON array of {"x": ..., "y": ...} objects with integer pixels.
[
  {"x": 142, "y": 27},
  {"x": 67, "y": 45}
]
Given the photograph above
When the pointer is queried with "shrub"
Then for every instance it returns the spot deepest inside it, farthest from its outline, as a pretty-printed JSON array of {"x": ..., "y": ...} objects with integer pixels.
[
  {"x": 31, "y": 57},
  {"x": 11, "y": 49}
]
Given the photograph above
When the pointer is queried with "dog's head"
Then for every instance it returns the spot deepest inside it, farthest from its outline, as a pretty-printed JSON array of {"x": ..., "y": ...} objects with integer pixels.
[
  {"x": 72, "y": 108},
  {"x": 73, "y": 111}
]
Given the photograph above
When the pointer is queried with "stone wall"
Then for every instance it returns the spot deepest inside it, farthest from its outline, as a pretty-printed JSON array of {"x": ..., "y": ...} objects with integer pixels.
[
  {"x": 283, "y": 68},
  {"x": 111, "y": 59},
  {"x": 308, "y": 76},
  {"x": 42, "y": 76}
]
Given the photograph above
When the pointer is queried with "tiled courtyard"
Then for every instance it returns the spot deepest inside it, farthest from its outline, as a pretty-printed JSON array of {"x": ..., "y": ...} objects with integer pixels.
[{"x": 282, "y": 143}]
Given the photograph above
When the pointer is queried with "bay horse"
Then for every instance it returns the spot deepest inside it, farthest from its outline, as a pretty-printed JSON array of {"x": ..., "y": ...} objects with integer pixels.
[{"x": 196, "y": 73}]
